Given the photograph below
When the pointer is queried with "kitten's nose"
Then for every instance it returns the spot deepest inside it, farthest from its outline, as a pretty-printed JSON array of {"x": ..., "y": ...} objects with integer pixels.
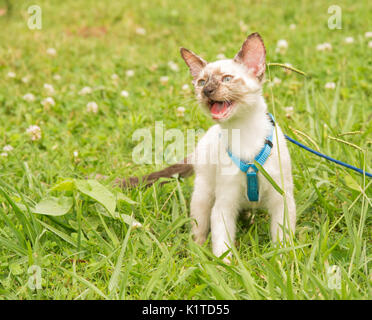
[{"x": 208, "y": 91}]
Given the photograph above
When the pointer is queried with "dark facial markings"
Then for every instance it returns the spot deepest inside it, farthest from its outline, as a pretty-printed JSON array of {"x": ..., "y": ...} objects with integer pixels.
[
  {"x": 211, "y": 84},
  {"x": 211, "y": 87}
]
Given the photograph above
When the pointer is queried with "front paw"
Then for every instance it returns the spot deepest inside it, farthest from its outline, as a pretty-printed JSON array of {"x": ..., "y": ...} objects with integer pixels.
[
  {"x": 200, "y": 239},
  {"x": 228, "y": 259}
]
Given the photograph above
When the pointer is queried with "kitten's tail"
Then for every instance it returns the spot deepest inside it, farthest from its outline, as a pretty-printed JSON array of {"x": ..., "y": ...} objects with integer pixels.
[{"x": 183, "y": 169}]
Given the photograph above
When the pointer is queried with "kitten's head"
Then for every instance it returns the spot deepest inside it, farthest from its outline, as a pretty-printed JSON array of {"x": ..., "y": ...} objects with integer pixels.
[{"x": 226, "y": 88}]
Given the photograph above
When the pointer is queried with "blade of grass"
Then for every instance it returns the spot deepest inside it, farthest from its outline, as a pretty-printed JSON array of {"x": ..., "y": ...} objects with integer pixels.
[{"x": 115, "y": 275}]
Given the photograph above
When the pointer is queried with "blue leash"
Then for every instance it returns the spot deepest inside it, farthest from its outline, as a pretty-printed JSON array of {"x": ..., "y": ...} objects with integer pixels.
[{"x": 328, "y": 158}]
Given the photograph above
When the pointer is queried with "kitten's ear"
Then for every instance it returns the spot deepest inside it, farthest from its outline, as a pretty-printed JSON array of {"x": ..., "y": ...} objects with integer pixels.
[
  {"x": 195, "y": 63},
  {"x": 253, "y": 55}
]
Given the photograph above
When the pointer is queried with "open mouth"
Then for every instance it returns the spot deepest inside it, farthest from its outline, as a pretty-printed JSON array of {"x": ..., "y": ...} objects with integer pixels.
[{"x": 220, "y": 109}]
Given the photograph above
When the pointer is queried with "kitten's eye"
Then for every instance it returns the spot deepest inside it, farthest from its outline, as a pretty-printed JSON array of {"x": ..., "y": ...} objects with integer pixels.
[
  {"x": 201, "y": 82},
  {"x": 227, "y": 78}
]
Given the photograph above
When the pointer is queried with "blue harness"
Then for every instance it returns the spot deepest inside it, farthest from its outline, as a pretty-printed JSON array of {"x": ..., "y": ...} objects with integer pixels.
[{"x": 250, "y": 169}]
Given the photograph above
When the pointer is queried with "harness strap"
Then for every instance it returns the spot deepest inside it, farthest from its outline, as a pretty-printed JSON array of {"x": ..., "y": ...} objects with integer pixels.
[{"x": 249, "y": 167}]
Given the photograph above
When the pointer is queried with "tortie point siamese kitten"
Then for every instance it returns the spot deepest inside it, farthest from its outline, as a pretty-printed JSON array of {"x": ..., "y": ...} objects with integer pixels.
[
  {"x": 227, "y": 181},
  {"x": 230, "y": 91}
]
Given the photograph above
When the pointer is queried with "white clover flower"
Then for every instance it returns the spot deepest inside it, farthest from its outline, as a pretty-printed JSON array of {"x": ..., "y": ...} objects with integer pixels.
[
  {"x": 29, "y": 97},
  {"x": 164, "y": 80},
  {"x": 49, "y": 89},
  {"x": 370, "y": 44},
  {"x": 327, "y": 46},
  {"x": 349, "y": 40},
  {"x": 114, "y": 77},
  {"x": 320, "y": 47},
  {"x": 35, "y": 132},
  {"x": 130, "y": 73},
  {"x": 292, "y": 26},
  {"x": 275, "y": 81},
  {"x": 8, "y": 148},
  {"x": 173, "y": 66},
  {"x": 180, "y": 112},
  {"x": 51, "y": 52},
  {"x": 92, "y": 107},
  {"x": 48, "y": 102},
  {"x": 141, "y": 31},
  {"x": 3, "y": 154},
  {"x": 243, "y": 26},
  {"x": 76, "y": 154},
  {"x": 220, "y": 56},
  {"x": 57, "y": 77},
  {"x": 124, "y": 94},
  {"x": 185, "y": 87},
  {"x": 281, "y": 46},
  {"x": 330, "y": 85},
  {"x": 85, "y": 90},
  {"x": 368, "y": 34},
  {"x": 324, "y": 46},
  {"x": 136, "y": 225},
  {"x": 25, "y": 79},
  {"x": 11, "y": 74}
]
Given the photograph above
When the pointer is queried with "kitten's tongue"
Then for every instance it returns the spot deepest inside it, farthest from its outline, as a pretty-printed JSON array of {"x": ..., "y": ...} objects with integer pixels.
[{"x": 218, "y": 109}]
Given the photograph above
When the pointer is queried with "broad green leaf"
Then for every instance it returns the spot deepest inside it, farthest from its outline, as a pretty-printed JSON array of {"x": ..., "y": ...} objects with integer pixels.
[
  {"x": 130, "y": 221},
  {"x": 98, "y": 192},
  {"x": 54, "y": 206},
  {"x": 65, "y": 185},
  {"x": 91, "y": 223},
  {"x": 122, "y": 197},
  {"x": 102, "y": 210},
  {"x": 116, "y": 215}
]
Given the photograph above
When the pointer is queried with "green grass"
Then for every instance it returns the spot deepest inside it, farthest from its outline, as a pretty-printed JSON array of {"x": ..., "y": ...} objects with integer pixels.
[{"x": 86, "y": 254}]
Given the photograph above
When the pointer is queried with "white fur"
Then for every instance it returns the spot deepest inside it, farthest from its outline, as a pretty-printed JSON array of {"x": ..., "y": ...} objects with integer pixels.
[{"x": 220, "y": 188}]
